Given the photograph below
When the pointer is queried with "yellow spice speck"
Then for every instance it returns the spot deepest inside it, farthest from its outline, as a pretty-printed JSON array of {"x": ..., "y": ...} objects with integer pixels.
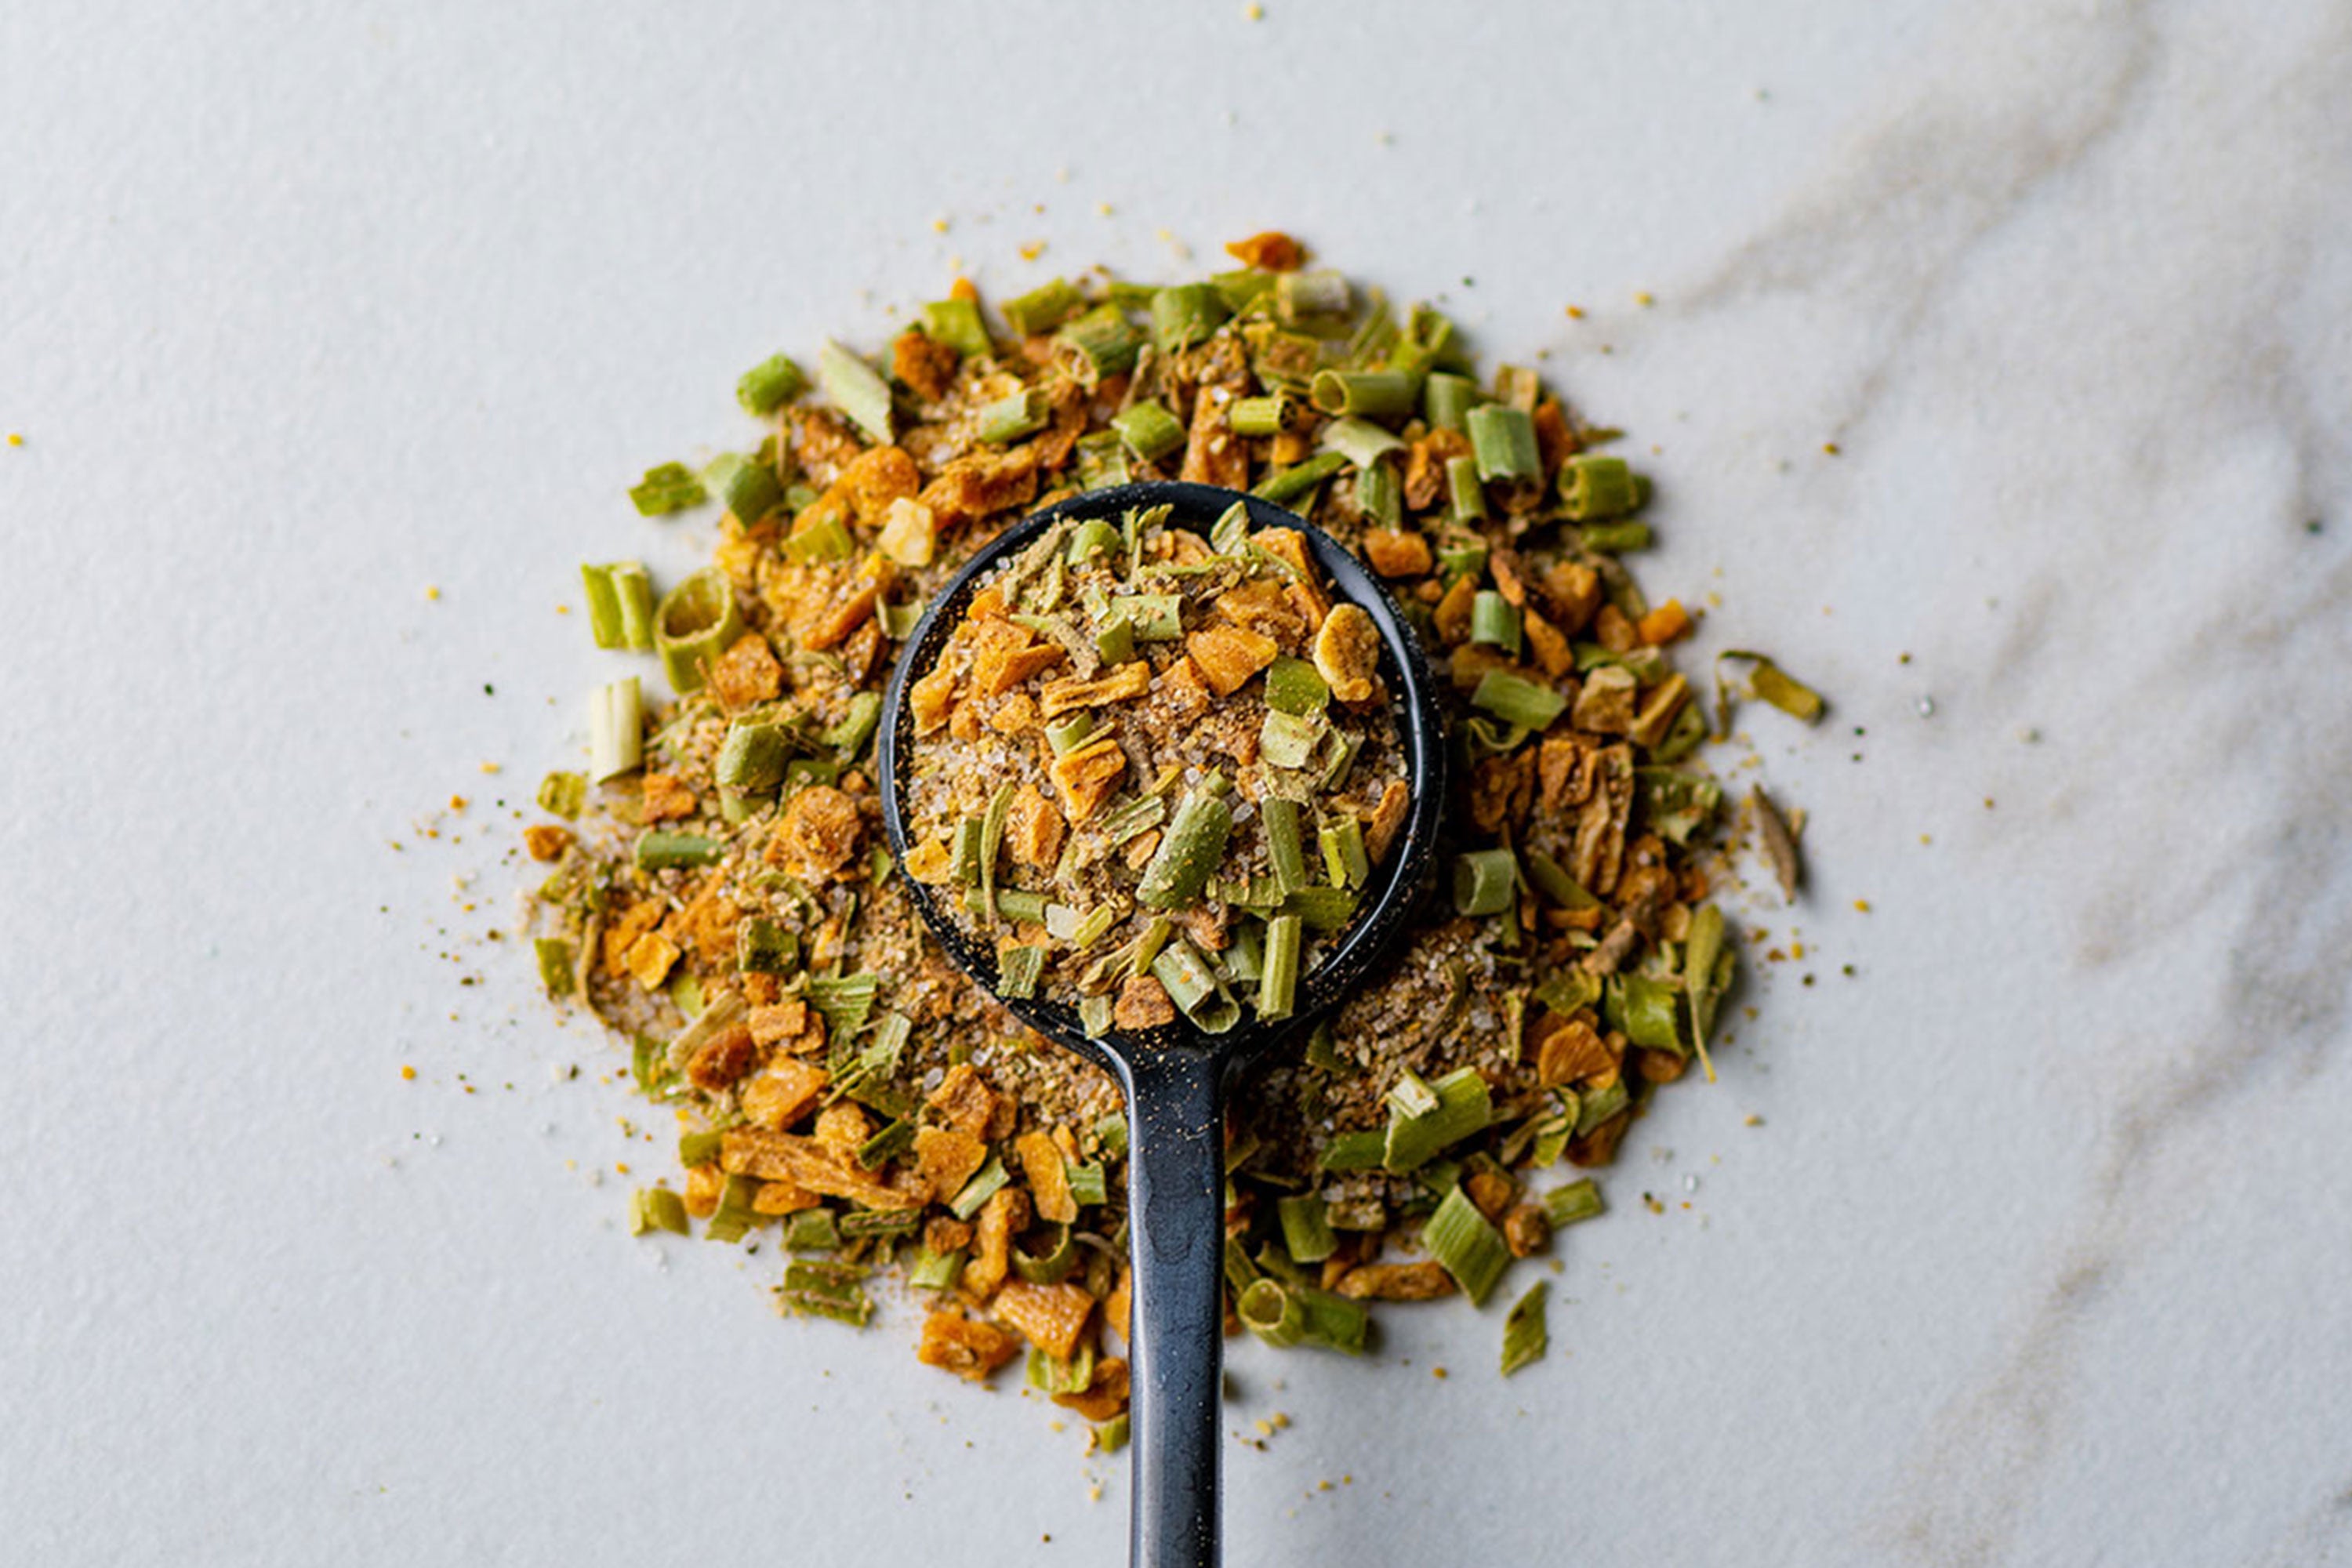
[
  {"x": 1033, "y": 250},
  {"x": 1645, "y": 299},
  {"x": 408, "y": 1072},
  {"x": 15, "y": 439},
  {"x": 457, "y": 803},
  {"x": 491, "y": 767},
  {"x": 1438, "y": 1372},
  {"x": 1253, "y": 10},
  {"x": 621, "y": 1166},
  {"x": 431, "y": 592},
  {"x": 1829, "y": 449},
  {"x": 939, "y": 225},
  {"x": 1862, "y": 906}
]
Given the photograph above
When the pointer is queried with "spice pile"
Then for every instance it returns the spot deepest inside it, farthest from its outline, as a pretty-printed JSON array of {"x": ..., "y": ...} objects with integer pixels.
[
  {"x": 723, "y": 894},
  {"x": 1129, "y": 666}
]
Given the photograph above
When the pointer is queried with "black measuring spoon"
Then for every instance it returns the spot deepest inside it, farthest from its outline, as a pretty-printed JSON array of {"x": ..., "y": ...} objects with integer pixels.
[{"x": 1173, "y": 1076}]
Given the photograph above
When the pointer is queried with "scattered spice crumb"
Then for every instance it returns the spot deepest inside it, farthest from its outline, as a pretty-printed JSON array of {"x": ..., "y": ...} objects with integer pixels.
[{"x": 408, "y": 1072}]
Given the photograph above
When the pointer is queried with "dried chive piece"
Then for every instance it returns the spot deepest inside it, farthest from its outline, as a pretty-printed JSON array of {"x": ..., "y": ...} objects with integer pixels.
[
  {"x": 763, "y": 946},
  {"x": 699, "y": 1148},
  {"x": 750, "y": 489},
  {"x": 1323, "y": 909},
  {"x": 1069, "y": 734},
  {"x": 1188, "y": 854},
  {"x": 1600, "y": 1105},
  {"x": 1285, "y": 848},
  {"x": 857, "y": 389},
  {"x": 1526, "y": 1336},
  {"x": 1504, "y": 441},
  {"x": 666, "y": 488},
  {"x": 1111, "y": 1435},
  {"x": 1013, "y": 904},
  {"x": 603, "y": 604},
  {"x": 615, "y": 730},
  {"x": 1551, "y": 879},
  {"x": 1106, "y": 341},
  {"x": 1185, "y": 313},
  {"x": 1334, "y": 1321},
  {"x": 554, "y": 957},
  {"x": 656, "y": 1208},
  {"x": 1278, "y": 982},
  {"x": 1380, "y": 494},
  {"x": 1593, "y": 486},
  {"x": 1307, "y": 1232},
  {"x": 1495, "y": 622},
  {"x": 770, "y": 385},
  {"x": 1362, "y": 394},
  {"x": 1094, "y": 1015},
  {"x": 1466, "y": 498},
  {"x": 751, "y": 759},
  {"x": 1043, "y": 308},
  {"x": 1292, "y": 482},
  {"x": 811, "y": 1230},
  {"x": 1011, "y": 418},
  {"x": 1288, "y": 740},
  {"x": 1465, "y": 1106},
  {"x": 1149, "y": 431},
  {"x": 1017, "y": 971},
  {"x": 1294, "y": 685},
  {"x": 1785, "y": 691},
  {"x": 1154, "y": 617},
  {"x": 1229, "y": 532},
  {"x": 696, "y": 622},
  {"x": 935, "y": 1271},
  {"x": 1269, "y": 1310},
  {"x": 1052, "y": 1266},
  {"x": 1515, "y": 699},
  {"x": 1462, "y": 1242}
]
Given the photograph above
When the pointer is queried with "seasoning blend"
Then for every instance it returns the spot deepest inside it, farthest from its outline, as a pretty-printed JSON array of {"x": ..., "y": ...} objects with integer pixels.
[{"x": 1156, "y": 770}]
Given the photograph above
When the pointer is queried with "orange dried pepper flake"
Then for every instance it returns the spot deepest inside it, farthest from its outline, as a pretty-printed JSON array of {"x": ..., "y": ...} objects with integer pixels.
[
  {"x": 1106, "y": 1393},
  {"x": 1666, "y": 623},
  {"x": 1049, "y": 1181},
  {"x": 545, "y": 841},
  {"x": 1228, "y": 655},
  {"x": 747, "y": 673},
  {"x": 666, "y": 798},
  {"x": 818, "y": 834},
  {"x": 1398, "y": 553},
  {"x": 965, "y": 1100},
  {"x": 926, "y": 366},
  {"x": 969, "y": 1349},
  {"x": 1050, "y": 1317},
  {"x": 1129, "y": 680},
  {"x": 724, "y": 1058},
  {"x": 1272, "y": 250},
  {"x": 1089, "y": 775},
  {"x": 782, "y": 1092}
]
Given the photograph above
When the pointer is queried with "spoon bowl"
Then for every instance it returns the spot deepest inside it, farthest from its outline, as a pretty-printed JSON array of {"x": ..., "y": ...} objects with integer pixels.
[{"x": 1172, "y": 1076}]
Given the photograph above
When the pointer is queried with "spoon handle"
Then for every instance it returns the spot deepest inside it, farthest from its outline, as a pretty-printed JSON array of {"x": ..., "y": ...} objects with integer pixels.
[{"x": 1176, "y": 1229}]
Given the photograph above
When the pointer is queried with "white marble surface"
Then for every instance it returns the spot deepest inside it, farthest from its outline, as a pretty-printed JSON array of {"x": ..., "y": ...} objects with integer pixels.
[{"x": 2039, "y": 1256}]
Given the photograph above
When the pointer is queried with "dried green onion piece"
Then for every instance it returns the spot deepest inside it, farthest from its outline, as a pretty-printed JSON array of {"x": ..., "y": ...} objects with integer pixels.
[
  {"x": 1495, "y": 622},
  {"x": 1380, "y": 494},
  {"x": 1285, "y": 849},
  {"x": 983, "y": 1185},
  {"x": 1551, "y": 879},
  {"x": 666, "y": 488},
  {"x": 1094, "y": 1015},
  {"x": 1189, "y": 852},
  {"x": 1149, "y": 431},
  {"x": 554, "y": 957},
  {"x": 1155, "y": 617},
  {"x": 1277, "y": 984},
  {"x": 562, "y": 794},
  {"x": 1446, "y": 400},
  {"x": 1365, "y": 1151},
  {"x": 603, "y": 605},
  {"x": 770, "y": 385},
  {"x": 857, "y": 389},
  {"x": 825, "y": 538},
  {"x": 1461, "y": 1241},
  {"x": 1614, "y": 538},
  {"x": 1526, "y": 1336},
  {"x": 957, "y": 323},
  {"x": 1087, "y": 1182},
  {"x": 1054, "y": 1265},
  {"x": 1229, "y": 532},
  {"x": 696, "y": 622},
  {"x": 1105, "y": 340},
  {"x": 1345, "y": 857},
  {"x": 1013, "y": 904},
  {"x": 763, "y": 946},
  {"x": 1090, "y": 928},
  {"x": 935, "y": 1271},
  {"x": 1465, "y": 1106},
  {"x": 615, "y": 730},
  {"x": 1269, "y": 1310},
  {"x": 1294, "y": 685},
  {"x": 991, "y": 841},
  {"x": 1185, "y": 313},
  {"x": 656, "y": 1208},
  {"x": 1503, "y": 439},
  {"x": 1302, "y": 296},
  {"x": 1195, "y": 987},
  {"x": 1579, "y": 1200},
  {"x": 1114, "y": 640},
  {"x": 856, "y": 725},
  {"x": 1017, "y": 971},
  {"x": 1515, "y": 699},
  {"x": 1486, "y": 882},
  {"x": 1593, "y": 486},
  {"x": 1292, "y": 482},
  {"x": 660, "y": 850},
  {"x": 1009, "y": 419},
  {"x": 827, "y": 1290},
  {"x": 751, "y": 759},
  {"x": 1243, "y": 288},
  {"x": 1306, "y": 1232},
  {"x": 699, "y": 1148},
  {"x": 1043, "y": 308},
  {"x": 1323, "y": 909},
  {"x": 1600, "y": 1105},
  {"x": 1269, "y": 415},
  {"x": 1288, "y": 740},
  {"x": 750, "y": 489},
  {"x": 1362, "y": 394},
  {"x": 1334, "y": 1321},
  {"x": 1360, "y": 441},
  {"x": 1070, "y": 733},
  {"x": 811, "y": 1230},
  {"x": 1465, "y": 500}
]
